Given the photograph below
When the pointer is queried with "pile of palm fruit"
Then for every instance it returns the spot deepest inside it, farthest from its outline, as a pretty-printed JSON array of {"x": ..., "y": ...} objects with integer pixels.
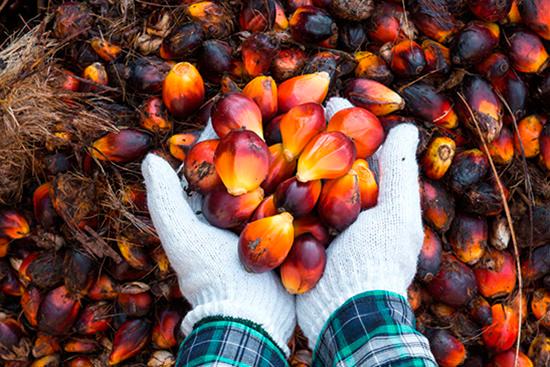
[{"x": 88, "y": 88}]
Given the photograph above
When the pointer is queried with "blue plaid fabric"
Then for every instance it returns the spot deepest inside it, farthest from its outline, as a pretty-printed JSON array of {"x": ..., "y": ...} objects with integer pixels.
[{"x": 371, "y": 329}]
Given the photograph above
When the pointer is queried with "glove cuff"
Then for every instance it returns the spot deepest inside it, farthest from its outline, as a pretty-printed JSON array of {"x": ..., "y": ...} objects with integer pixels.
[{"x": 277, "y": 325}]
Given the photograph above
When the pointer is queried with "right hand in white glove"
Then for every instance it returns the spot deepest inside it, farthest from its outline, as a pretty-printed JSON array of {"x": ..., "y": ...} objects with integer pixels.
[{"x": 380, "y": 250}]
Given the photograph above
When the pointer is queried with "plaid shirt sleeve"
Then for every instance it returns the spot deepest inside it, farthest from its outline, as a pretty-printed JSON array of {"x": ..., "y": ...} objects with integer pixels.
[
  {"x": 229, "y": 342},
  {"x": 375, "y": 328}
]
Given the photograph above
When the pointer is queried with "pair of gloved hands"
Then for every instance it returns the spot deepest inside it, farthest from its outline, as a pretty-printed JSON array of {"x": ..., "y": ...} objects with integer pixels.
[{"x": 377, "y": 252}]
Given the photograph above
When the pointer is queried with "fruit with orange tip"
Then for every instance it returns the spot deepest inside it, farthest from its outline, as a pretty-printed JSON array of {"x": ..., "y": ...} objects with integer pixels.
[
  {"x": 544, "y": 143},
  {"x": 182, "y": 42},
  {"x": 508, "y": 359},
  {"x": 309, "y": 24},
  {"x": 438, "y": 207},
  {"x": 513, "y": 15},
  {"x": 257, "y": 15},
  {"x": 475, "y": 41},
  {"x": 372, "y": 66},
  {"x": 360, "y": 125},
  {"x": 298, "y": 126},
  {"x": 373, "y": 96},
  {"x": 503, "y": 331},
  {"x": 95, "y": 318},
  {"x": 540, "y": 306},
  {"x": 44, "y": 212},
  {"x": 10, "y": 285},
  {"x": 257, "y": 52},
  {"x": 495, "y": 274},
  {"x": 303, "y": 89},
  {"x": 297, "y": 198},
  {"x": 407, "y": 59},
  {"x": 480, "y": 311},
  {"x": 68, "y": 81},
  {"x": 216, "y": 20},
  {"x": 496, "y": 65},
  {"x": 279, "y": 169},
  {"x": 502, "y": 148},
  {"x": 104, "y": 288},
  {"x": 304, "y": 265},
  {"x": 438, "y": 157},
  {"x": 265, "y": 209},
  {"x": 130, "y": 339},
  {"x": 4, "y": 245},
  {"x": 455, "y": 284},
  {"x": 311, "y": 224},
  {"x": 154, "y": 116},
  {"x": 52, "y": 360},
  {"x": 263, "y": 91},
  {"x": 387, "y": 24},
  {"x": 179, "y": 144},
  {"x": 429, "y": 259},
  {"x": 426, "y": 103},
  {"x": 468, "y": 168},
  {"x": 81, "y": 345},
  {"x": 414, "y": 296},
  {"x": 44, "y": 345},
  {"x": 490, "y": 10},
  {"x": 526, "y": 51},
  {"x": 224, "y": 210},
  {"x": 327, "y": 155},
  {"x": 368, "y": 187},
  {"x": 434, "y": 19},
  {"x": 468, "y": 237},
  {"x": 72, "y": 19},
  {"x": 95, "y": 76},
  {"x": 121, "y": 146},
  {"x": 485, "y": 106},
  {"x": 539, "y": 350},
  {"x": 147, "y": 74},
  {"x": 529, "y": 130},
  {"x": 340, "y": 202},
  {"x": 79, "y": 272},
  {"x": 287, "y": 63},
  {"x": 199, "y": 169},
  {"x": 13, "y": 344},
  {"x": 534, "y": 13},
  {"x": 135, "y": 305},
  {"x": 265, "y": 243},
  {"x": 58, "y": 311},
  {"x": 165, "y": 327},
  {"x": 447, "y": 350},
  {"x": 30, "y": 302},
  {"x": 183, "y": 90},
  {"x": 438, "y": 57},
  {"x": 13, "y": 224},
  {"x": 236, "y": 111},
  {"x": 515, "y": 92},
  {"x": 242, "y": 161},
  {"x": 80, "y": 361},
  {"x": 108, "y": 51},
  {"x": 281, "y": 21}
]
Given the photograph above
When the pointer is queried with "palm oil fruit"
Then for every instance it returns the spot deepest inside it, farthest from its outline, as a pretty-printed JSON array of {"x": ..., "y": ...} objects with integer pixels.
[
  {"x": 529, "y": 130},
  {"x": 313, "y": 25},
  {"x": 199, "y": 169},
  {"x": 427, "y": 104},
  {"x": 468, "y": 237},
  {"x": 43, "y": 209},
  {"x": 495, "y": 274},
  {"x": 340, "y": 202},
  {"x": 328, "y": 155},
  {"x": 539, "y": 350},
  {"x": 485, "y": 106},
  {"x": 183, "y": 90},
  {"x": 257, "y": 15},
  {"x": 468, "y": 168},
  {"x": 227, "y": 211},
  {"x": 297, "y": 198},
  {"x": 58, "y": 311},
  {"x": 298, "y": 126},
  {"x": 303, "y": 89},
  {"x": 438, "y": 157},
  {"x": 534, "y": 13},
  {"x": 387, "y": 24},
  {"x": 183, "y": 42},
  {"x": 480, "y": 311},
  {"x": 526, "y": 52},
  {"x": 153, "y": 116},
  {"x": 121, "y": 146},
  {"x": 257, "y": 52},
  {"x": 434, "y": 19},
  {"x": 279, "y": 170},
  {"x": 540, "y": 306},
  {"x": 407, "y": 59},
  {"x": 544, "y": 143},
  {"x": 304, "y": 265},
  {"x": 30, "y": 302},
  {"x": 94, "y": 77},
  {"x": 502, "y": 148},
  {"x": 106, "y": 50},
  {"x": 438, "y": 57},
  {"x": 372, "y": 66},
  {"x": 216, "y": 20},
  {"x": 13, "y": 224},
  {"x": 287, "y": 63},
  {"x": 265, "y": 209},
  {"x": 360, "y": 125},
  {"x": 215, "y": 60},
  {"x": 373, "y": 96},
  {"x": 263, "y": 91},
  {"x": 475, "y": 41},
  {"x": 503, "y": 332},
  {"x": 165, "y": 327},
  {"x": 368, "y": 187},
  {"x": 311, "y": 224},
  {"x": 508, "y": 359},
  {"x": 265, "y": 243},
  {"x": 447, "y": 350},
  {"x": 179, "y": 144},
  {"x": 129, "y": 340},
  {"x": 438, "y": 207},
  {"x": 242, "y": 161},
  {"x": 490, "y": 10},
  {"x": 95, "y": 318},
  {"x": 429, "y": 260},
  {"x": 455, "y": 284}
]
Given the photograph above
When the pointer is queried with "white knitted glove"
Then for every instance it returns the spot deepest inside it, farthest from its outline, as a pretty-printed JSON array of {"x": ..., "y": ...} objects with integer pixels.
[
  {"x": 380, "y": 250},
  {"x": 206, "y": 260}
]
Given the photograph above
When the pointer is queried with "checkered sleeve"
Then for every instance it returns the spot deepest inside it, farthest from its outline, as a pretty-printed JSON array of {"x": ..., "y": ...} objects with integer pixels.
[
  {"x": 229, "y": 342},
  {"x": 375, "y": 328}
]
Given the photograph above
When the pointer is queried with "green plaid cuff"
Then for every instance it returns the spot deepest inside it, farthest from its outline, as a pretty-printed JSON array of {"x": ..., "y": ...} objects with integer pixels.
[
  {"x": 229, "y": 342},
  {"x": 374, "y": 328}
]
